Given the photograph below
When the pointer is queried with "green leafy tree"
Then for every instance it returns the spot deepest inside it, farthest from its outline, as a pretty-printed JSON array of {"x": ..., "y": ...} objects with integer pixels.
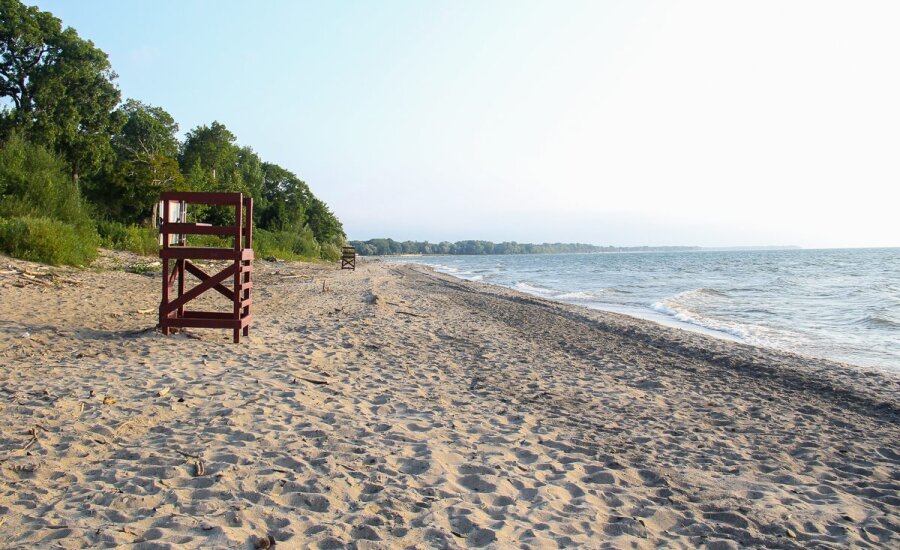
[
  {"x": 324, "y": 224},
  {"x": 59, "y": 87},
  {"x": 146, "y": 131},
  {"x": 213, "y": 149},
  {"x": 27, "y": 36},
  {"x": 145, "y": 164},
  {"x": 210, "y": 158},
  {"x": 284, "y": 200}
]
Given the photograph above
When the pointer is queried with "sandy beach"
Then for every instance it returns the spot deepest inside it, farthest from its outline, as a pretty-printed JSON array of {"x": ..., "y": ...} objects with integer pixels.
[{"x": 400, "y": 408}]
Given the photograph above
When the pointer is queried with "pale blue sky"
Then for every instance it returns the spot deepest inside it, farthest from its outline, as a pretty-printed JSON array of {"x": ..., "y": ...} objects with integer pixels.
[{"x": 624, "y": 123}]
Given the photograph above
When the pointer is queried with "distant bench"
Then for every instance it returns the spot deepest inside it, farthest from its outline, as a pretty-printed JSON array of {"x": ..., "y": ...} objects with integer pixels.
[{"x": 348, "y": 258}]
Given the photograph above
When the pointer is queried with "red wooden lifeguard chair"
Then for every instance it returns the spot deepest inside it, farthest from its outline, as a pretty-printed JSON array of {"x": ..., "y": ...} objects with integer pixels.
[{"x": 172, "y": 313}]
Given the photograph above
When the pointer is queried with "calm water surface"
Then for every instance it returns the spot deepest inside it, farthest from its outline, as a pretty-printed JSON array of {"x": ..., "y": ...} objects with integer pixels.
[{"x": 841, "y": 304}]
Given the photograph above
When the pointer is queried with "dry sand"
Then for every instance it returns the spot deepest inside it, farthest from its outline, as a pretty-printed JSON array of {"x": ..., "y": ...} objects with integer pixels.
[{"x": 405, "y": 409}]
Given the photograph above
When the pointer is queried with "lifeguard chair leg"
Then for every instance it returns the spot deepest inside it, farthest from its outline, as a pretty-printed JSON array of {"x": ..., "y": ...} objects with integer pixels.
[
  {"x": 180, "y": 264},
  {"x": 165, "y": 298},
  {"x": 245, "y": 294}
]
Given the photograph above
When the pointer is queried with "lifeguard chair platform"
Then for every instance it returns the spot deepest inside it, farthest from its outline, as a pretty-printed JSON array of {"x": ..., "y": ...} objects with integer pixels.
[{"x": 174, "y": 231}]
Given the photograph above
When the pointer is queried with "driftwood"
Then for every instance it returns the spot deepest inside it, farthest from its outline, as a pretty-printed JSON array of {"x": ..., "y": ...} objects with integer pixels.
[
  {"x": 189, "y": 455},
  {"x": 33, "y": 440},
  {"x": 40, "y": 278},
  {"x": 410, "y": 313}
]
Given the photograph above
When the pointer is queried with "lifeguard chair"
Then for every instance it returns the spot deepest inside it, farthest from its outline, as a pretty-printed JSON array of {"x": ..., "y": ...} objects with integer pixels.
[
  {"x": 174, "y": 231},
  {"x": 348, "y": 258}
]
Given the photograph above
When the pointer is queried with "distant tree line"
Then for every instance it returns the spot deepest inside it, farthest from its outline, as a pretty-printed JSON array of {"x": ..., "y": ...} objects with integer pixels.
[
  {"x": 389, "y": 247},
  {"x": 76, "y": 163}
]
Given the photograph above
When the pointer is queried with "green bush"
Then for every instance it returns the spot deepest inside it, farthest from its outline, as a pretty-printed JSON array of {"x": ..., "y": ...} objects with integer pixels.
[
  {"x": 331, "y": 252},
  {"x": 48, "y": 241},
  {"x": 138, "y": 239},
  {"x": 210, "y": 240},
  {"x": 34, "y": 182},
  {"x": 42, "y": 215},
  {"x": 285, "y": 245}
]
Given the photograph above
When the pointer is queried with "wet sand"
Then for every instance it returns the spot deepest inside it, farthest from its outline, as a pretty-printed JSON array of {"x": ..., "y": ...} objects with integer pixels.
[{"x": 401, "y": 408}]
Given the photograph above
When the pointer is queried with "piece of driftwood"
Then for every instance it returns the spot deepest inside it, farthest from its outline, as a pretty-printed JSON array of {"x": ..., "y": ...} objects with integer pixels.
[{"x": 410, "y": 313}]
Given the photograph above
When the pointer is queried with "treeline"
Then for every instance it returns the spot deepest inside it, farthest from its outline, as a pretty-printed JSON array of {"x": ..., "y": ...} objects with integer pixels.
[
  {"x": 388, "y": 247},
  {"x": 80, "y": 169}
]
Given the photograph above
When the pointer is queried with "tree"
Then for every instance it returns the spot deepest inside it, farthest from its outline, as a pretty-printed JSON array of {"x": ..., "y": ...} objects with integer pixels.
[
  {"x": 61, "y": 87},
  {"x": 250, "y": 176},
  {"x": 130, "y": 191},
  {"x": 147, "y": 131},
  {"x": 24, "y": 33},
  {"x": 325, "y": 226},
  {"x": 145, "y": 164},
  {"x": 213, "y": 149},
  {"x": 284, "y": 200}
]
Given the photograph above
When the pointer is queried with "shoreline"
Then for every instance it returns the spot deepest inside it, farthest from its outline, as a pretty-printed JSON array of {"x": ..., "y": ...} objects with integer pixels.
[
  {"x": 731, "y": 329},
  {"x": 700, "y": 343},
  {"x": 405, "y": 407}
]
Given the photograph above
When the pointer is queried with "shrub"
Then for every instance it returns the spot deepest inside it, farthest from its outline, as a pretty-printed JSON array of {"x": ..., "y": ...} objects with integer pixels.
[
  {"x": 210, "y": 240},
  {"x": 285, "y": 245},
  {"x": 34, "y": 182},
  {"x": 142, "y": 240},
  {"x": 331, "y": 252},
  {"x": 48, "y": 241}
]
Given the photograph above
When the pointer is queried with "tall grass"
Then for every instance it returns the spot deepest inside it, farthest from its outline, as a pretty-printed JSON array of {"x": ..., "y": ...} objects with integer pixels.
[
  {"x": 285, "y": 245},
  {"x": 138, "y": 239},
  {"x": 48, "y": 241}
]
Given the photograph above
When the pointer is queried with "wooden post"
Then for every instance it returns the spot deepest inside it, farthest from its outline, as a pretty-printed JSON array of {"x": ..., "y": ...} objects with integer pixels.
[
  {"x": 238, "y": 260},
  {"x": 180, "y": 266},
  {"x": 164, "y": 317},
  {"x": 248, "y": 243}
]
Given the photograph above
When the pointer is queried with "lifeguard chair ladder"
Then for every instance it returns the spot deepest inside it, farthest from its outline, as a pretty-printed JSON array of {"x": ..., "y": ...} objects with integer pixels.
[{"x": 172, "y": 312}]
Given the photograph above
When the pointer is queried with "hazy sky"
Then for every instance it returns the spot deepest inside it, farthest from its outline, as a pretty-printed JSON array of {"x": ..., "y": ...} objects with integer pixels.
[{"x": 626, "y": 123}]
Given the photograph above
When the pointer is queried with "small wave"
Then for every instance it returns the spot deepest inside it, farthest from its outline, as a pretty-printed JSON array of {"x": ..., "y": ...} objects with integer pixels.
[
  {"x": 706, "y": 291},
  {"x": 616, "y": 291},
  {"x": 532, "y": 289},
  {"x": 686, "y": 316},
  {"x": 577, "y": 296},
  {"x": 695, "y": 295},
  {"x": 573, "y": 296},
  {"x": 877, "y": 322}
]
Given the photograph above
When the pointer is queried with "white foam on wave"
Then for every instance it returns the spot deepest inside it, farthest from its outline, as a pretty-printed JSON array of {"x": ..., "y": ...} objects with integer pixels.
[
  {"x": 533, "y": 289},
  {"x": 457, "y": 272},
  {"x": 580, "y": 297},
  {"x": 684, "y": 315},
  {"x": 675, "y": 307},
  {"x": 577, "y": 296},
  {"x": 448, "y": 269}
]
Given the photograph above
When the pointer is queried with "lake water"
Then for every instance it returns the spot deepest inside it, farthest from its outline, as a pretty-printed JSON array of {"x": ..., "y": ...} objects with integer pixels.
[{"x": 840, "y": 304}]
